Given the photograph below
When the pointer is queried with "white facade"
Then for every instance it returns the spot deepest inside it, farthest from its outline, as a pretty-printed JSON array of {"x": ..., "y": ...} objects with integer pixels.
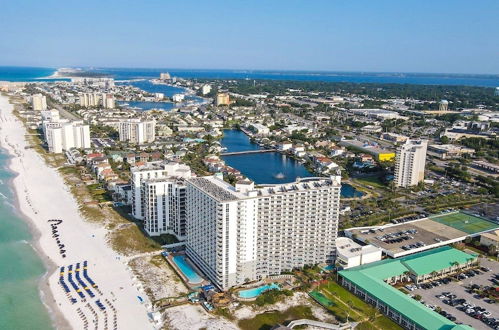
[
  {"x": 39, "y": 102},
  {"x": 350, "y": 254},
  {"x": 242, "y": 233},
  {"x": 410, "y": 163},
  {"x": 178, "y": 97},
  {"x": 137, "y": 131},
  {"x": 158, "y": 197},
  {"x": 90, "y": 99},
  {"x": 206, "y": 89},
  {"x": 50, "y": 115},
  {"x": 53, "y": 136},
  {"x": 259, "y": 129},
  {"x": 107, "y": 101},
  {"x": 62, "y": 136}
]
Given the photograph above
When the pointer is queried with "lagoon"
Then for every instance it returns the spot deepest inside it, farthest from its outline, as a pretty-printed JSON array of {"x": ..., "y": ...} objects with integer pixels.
[{"x": 268, "y": 168}]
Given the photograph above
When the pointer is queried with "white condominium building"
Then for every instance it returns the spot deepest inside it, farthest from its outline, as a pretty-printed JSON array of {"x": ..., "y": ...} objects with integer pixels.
[
  {"x": 50, "y": 115},
  {"x": 137, "y": 131},
  {"x": 39, "y": 102},
  {"x": 107, "y": 101},
  {"x": 62, "y": 136},
  {"x": 410, "y": 163},
  {"x": 243, "y": 233},
  {"x": 90, "y": 99},
  {"x": 206, "y": 89},
  {"x": 159, "y": 197}
]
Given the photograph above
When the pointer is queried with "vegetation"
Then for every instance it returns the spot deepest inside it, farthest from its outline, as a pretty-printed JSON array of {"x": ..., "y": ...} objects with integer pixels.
[
  {"x": 270, "y": 297},
  {"x": 267, "y": 320},
  {"x": 129, "y": 240},
  {"x": 344, "y": 304},
  {"x": 458, "y": 96}
]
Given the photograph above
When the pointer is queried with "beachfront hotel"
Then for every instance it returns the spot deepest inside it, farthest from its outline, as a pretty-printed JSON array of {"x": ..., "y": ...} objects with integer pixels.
[
  {"x": 63, "y": 135},
  {"x": 410, "y": 163},
  {"x": 240, "y": 233},
  {"x": 159, "y": 197}
]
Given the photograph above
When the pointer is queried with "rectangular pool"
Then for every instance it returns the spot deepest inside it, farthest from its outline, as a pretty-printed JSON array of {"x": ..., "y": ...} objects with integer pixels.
[{"x": 187, "y": 270}]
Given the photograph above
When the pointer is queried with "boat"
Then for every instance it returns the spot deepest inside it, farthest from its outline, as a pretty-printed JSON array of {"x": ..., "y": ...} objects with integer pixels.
[{"x": 279, "y": 176}]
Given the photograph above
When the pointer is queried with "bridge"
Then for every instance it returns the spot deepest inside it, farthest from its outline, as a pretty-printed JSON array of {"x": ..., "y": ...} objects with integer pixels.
[{"x": 247, "y": 152}]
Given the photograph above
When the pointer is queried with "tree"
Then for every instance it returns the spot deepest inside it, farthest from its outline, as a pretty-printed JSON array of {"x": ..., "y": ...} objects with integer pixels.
[{"x": 492, "y": 250}]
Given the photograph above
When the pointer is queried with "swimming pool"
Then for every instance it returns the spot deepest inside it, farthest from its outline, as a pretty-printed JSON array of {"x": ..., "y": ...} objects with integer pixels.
[
  {"x": 329, "y": 268},
  {"x": 255, "y": 292},
  {"x": 187, "y": 270}
]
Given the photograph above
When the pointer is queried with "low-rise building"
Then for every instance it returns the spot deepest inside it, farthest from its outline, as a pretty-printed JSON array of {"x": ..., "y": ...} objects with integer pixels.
[
  {"x": 371, "y": 283},
  {"x": 448, "y": 151},
  {"x": 350, "y": 254},
  {"x": 371, "y": 148}
]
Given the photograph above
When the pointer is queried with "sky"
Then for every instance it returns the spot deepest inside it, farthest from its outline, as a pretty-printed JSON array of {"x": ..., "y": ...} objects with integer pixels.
[{"x": 444, "y": 36}]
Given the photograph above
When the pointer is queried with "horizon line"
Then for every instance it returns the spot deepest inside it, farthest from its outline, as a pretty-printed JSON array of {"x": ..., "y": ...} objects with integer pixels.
[{"x": 250, "y": 70}]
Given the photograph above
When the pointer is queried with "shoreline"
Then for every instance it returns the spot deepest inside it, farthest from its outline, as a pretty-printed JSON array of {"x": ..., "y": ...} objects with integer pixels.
[
  {"x": 46, "y": 297},
  {"x": 82, "y": 239}
]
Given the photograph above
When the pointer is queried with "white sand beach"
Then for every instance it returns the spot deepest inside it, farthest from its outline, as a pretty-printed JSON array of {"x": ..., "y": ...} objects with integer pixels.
[{"x": 43, "y": 195}]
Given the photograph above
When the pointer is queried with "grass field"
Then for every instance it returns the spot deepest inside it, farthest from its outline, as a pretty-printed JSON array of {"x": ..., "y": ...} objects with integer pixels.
[
  {"x": 344, "y": 304},
  {"x": 465, "y": 222},
  {"x": 372, "y": 181}
]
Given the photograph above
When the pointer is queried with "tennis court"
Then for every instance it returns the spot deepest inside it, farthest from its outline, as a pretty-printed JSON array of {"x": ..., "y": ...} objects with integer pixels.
[{"x": 465, "y": 222}]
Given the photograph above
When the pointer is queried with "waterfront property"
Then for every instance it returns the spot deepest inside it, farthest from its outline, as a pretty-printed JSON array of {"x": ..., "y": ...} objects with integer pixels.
[
  {"x": 255, "y": 292},
  {"x": 268, "y": 167},
  {"x": 186, "y": 269},
  {"x": 158, "y": 197},
  {"x": 372, "y": 283},
  {"x": 246, "y": 233}
]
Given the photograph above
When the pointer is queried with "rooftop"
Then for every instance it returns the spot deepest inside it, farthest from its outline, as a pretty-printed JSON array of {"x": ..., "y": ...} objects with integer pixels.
[
  {"x": 422, "y": 234},
  {"x": 371, "y": 278},
  {"x": 225, "y": 192}
]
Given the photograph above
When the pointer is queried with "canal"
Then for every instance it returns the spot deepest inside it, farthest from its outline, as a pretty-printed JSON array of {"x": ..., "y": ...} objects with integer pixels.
[{"x": 268, "y": 168}]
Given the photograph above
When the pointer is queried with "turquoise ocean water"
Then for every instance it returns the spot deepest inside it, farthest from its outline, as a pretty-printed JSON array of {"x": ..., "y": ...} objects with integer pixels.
[{"x": 20, "y": 267}]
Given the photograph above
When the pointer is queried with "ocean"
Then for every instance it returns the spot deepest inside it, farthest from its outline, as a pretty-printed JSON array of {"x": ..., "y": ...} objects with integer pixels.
[
  {"x": 20, "y": 267},
  {"x": 492, "y": 80}
]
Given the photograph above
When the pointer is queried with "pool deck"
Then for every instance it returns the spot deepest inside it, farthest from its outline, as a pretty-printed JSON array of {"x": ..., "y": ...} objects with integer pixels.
[{"x": 190, "y": 285}]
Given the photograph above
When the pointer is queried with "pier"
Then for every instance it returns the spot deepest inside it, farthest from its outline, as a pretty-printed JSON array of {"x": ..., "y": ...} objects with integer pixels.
[{"x": 247, "y": 152}]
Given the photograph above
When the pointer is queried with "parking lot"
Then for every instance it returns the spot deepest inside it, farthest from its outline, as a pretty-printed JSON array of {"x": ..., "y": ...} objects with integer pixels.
[{"x": 457, "y": 295}]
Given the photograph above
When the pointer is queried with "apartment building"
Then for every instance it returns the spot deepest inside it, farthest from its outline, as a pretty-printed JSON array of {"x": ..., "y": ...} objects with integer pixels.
[
  {"x": 39, "y": 102},
  {"x": 136, "y": 130},
  {"x": 90, "y": 100},
  {"x": 159, "y": 197},
  {"x": 62, "y": 136},
  {"x": 240, "y": 233},
  {"x": 410, "y": 163},
  {"x": 222, "y": 99},
  {"x": 108, "y": 101}
]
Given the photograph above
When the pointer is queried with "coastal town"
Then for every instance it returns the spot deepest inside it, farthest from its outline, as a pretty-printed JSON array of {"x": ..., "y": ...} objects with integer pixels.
[{"x": 257, "y": 204}]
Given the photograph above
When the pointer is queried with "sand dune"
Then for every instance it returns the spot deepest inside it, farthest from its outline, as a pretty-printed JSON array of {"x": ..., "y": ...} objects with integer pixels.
[{"x": 42, "y": 196}]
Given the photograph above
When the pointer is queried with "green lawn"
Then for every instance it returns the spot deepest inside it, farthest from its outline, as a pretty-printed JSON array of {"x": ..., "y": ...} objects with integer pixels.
[
  {"x": 371, "y": 181},
  {"x": 465, "y": 222},
  {"x": 266, "y": 321},
  {"x": 335, "y": 297}
]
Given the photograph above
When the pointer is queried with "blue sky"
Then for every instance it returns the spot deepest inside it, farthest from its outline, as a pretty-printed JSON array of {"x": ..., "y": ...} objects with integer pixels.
[{"x": 339, "y": 35}]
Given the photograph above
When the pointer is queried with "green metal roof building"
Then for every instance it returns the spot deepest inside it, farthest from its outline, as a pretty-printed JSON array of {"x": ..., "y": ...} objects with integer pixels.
[{"x": 371, "y": 283}]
